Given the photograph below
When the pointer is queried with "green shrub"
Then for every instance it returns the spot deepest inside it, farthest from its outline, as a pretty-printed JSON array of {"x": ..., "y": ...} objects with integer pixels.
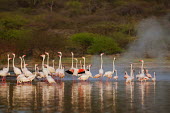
[{"x": 94, "y": 43}]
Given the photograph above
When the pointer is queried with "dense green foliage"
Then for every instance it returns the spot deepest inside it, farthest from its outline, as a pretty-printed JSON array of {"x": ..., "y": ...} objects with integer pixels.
[
  {"x": 84, "y": 26},
  {"x": 94, "y": 44}
]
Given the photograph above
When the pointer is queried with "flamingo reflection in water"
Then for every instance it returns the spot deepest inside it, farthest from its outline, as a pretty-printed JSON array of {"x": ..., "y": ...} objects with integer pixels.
[
  {"x": 4, "y": 93},
  {"x": 52, "y": 95},
  {"x": 130, "y": 94},
  {"x": 23, "y": 96},
  {"x": 84, "y": 94}
]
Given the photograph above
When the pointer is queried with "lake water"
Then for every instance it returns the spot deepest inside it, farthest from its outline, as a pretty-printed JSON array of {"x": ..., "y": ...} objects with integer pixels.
[{"x": 91, "y": 96}]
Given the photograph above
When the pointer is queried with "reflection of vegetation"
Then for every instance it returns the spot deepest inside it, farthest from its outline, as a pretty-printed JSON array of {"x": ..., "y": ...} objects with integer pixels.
[{"x": 35, "y": 26}]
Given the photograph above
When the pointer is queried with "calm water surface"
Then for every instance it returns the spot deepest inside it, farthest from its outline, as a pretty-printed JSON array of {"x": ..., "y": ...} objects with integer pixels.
[{"x": 91, "y": 96}]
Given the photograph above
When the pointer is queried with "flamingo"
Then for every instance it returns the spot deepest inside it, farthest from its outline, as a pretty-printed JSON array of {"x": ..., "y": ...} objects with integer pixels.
[
  {"x": 40, "y": 74},
  {"x": 59, "y": 64},
  {"x": 7, "y": 68},
  {"x": 116, "y": 76},
  {"x": 101, "y": 68},
  {"x": 71, "y": 70},
  {"x": 45, "y": 70},
  {"x": 110, "y": 73},
  {"x": 4, "y": 72},
  {"x": 61, "y": 73},
  {"x": 86, "y": 75},
  {"x": 17, "y": 71},
  {"x": 131, "y": 77},
  {"x": 51, "y": 69},
  {"x": 75, "y": 73},
  {"x": 141, "y": 75},
  {"x": 25, "y": 69},
  {"x": 31, "y": 77},
  {"x": 154, "y": 78}
]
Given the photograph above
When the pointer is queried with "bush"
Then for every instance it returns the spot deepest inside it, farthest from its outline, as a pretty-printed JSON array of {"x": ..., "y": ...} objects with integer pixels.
[{"x": 94, "y": 43}]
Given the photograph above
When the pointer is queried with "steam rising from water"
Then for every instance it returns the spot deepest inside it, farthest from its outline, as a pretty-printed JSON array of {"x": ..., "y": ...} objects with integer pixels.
[{"x": 153, "y": 39}]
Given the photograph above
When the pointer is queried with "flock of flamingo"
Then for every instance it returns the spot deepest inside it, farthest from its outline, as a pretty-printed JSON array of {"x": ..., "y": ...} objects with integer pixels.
[{"x": 83, "y": 73}]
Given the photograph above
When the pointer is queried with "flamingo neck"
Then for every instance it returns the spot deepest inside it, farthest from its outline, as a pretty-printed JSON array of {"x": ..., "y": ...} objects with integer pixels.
[
  {"x": 101, "y": 62},
  {"x": 131, "y": 70},
  {"x": 113, "y": 65},
  {"x": 21, "y": 63},
  {"x": 24, "y": 62},
  {"x": 8, "y": 64},
  {"x": 60, "y": 65}
]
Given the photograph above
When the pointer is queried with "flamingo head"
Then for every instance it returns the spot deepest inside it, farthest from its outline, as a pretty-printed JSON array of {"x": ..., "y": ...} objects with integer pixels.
[
  {"x": 114, "y": 58},
  {"x": 141, "y": 60},
  {"x": 42, "y": 55},
  {"x": 46, "y": 53},
  {"x": 59, "y": 53},
  {"x": 13, "y": 54},
  {"x": 101, "y": 54},
  {"x": 36, "y": 64},
  {"x": 83, "y": 57},
  {"x": 23, "y": 55},
  {"x": 8, "y": 55},
  {"x": 72, "y": 53},
  {"x": 20, "y": 57}
]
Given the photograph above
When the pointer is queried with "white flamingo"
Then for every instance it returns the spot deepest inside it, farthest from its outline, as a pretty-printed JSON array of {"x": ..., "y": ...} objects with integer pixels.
[
  {"x": 17, "y": 71},
  {"x": 40, "y": 74},
  {"x": 25, "y": 69},
  {"x": 154, "y": 78},
  {"x": 101, "y": 68},
  {"x": 75, "y": 73},
  {"x": 59, "y": 64},
  {"x": 50, "y": 68},
  {"x": 5, "y": 71},
  {"x": 32, "y": 77},
  {"x": 7, "y": 68},
  {"x": 61, "y": 70},
  {"x": 131, "y": 77},
  {"x": 86, "y": 75},
  {"x": 110, "y": 73},
  {"x": 45, "y": 70},
  {"x": 141, "y": 75}
]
